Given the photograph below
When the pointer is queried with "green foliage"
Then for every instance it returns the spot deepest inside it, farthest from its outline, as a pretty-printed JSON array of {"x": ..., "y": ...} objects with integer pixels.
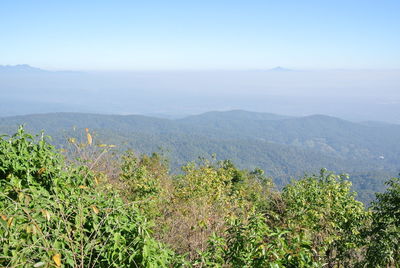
[
  {"x": 222, "y": 182},
  {"x": 324, "y": 209},
  {"x": 140, "y": 181},
  {"x": 199, "y": 200},
  {"x": 53, "y": 215},
  {"x": 253, "y": 243},
  {"x": 282, "y": 146},
  {"x": 145, "y": 181},
  {"x": 124, "y": 213},
  {"x": 26, "y": 164},
  {"x": 384, "y": 247},
  {"x": 314, "y": 221}
]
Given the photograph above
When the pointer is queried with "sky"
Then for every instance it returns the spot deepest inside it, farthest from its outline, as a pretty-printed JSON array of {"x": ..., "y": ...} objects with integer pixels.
[{"x": 200, "y": 35}]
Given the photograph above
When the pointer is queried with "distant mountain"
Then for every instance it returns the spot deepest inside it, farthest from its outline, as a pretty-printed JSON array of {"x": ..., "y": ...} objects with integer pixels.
[
  {"x": 280, "y": 69},
  {"x": 233, "y": 115},
  {"x": 285, "y": 147},
  {"x": 20, "y": 68},
  {"x": 27, "y": 69},
  {"x": 376, "y": 124}
]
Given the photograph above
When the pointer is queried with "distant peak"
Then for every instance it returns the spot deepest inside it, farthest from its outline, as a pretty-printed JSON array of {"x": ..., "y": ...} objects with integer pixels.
[
  {"x": 20, "y": 68},
  {"x": 280, "y": 69},
  {"x": 27, "y": 69}
]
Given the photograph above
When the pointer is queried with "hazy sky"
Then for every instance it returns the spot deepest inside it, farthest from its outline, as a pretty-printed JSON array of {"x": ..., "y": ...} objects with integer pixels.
[{"x": 217, "y": 34}]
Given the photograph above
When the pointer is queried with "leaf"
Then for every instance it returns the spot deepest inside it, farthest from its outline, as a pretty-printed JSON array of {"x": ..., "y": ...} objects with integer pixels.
[
  {"x": 89, "y": 138},
  {"x": 41, "y": 171},
  {"x": 39, "y": 264},
  {"x": 4, "y": 217},
  {"x": 57, "y": 259},
  {"x": 10, "y": 221},
  {"x": 46, "y": 214},
  {"x": 82, "y": 187},
  {"x": 21, "y": 196},
  {"x": 95, "y": 209}
]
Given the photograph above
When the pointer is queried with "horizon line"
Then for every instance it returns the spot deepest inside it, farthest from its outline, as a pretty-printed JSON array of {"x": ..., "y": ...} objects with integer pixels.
[{"x": 255, "y": 69}]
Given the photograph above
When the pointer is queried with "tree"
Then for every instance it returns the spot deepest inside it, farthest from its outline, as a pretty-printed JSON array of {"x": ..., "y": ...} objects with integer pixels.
[
  {"x": 252, "y": 242},
  {"x": 324, "y": 209},
  {"x": 384, "y": 246}
]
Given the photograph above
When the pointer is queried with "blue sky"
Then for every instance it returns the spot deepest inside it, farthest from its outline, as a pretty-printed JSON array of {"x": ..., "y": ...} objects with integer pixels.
[{"x": 170, "y": 35}]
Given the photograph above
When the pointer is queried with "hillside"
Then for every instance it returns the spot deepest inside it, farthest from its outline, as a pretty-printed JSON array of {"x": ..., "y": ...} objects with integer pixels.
[
  {"x": 95, "y": 212},
  {"x": 285, "y": 147}
]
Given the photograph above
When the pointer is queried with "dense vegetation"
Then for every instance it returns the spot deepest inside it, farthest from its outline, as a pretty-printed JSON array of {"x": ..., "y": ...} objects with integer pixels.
[
  {"x": 285, "y": 147},
  {"x": 97, "y": 209}
]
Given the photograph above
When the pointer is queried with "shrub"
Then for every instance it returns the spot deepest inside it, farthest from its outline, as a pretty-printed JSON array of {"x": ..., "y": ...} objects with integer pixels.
[
  {"x": 383, "y": 249},
  {"x": 253, "y": 243},
  {"x": 324, "y": 208},
  {"x": 53, "y": 214}
]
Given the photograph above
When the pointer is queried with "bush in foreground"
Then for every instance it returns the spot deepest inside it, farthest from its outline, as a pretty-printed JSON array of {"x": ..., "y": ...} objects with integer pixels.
[
  {"x": 53, "y": 214},
  {"x": 56, "y": 214}
]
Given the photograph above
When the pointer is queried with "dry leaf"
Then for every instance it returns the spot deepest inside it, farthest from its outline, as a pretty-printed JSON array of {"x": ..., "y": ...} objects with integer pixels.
[
  {"x": 89, "y": 138},
  {"x": 10, "y": 221},
  {"x": 57, "y": 259},
  {"x": 95, "y": 209},
  {"x": 46, "y": 214}
]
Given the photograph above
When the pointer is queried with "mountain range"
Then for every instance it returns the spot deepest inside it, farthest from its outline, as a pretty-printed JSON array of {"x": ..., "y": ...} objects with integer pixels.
[{"x": 285, "y": 147}]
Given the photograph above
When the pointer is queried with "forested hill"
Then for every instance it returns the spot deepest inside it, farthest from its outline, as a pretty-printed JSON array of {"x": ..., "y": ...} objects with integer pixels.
[{"x": 283, "y": 146}]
